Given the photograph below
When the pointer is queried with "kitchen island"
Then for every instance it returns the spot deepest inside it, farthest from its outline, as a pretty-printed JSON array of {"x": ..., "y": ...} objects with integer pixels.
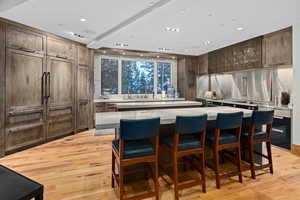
[
  {"x": 156, "y": 105},
  {"x": 168, "y": 116}
]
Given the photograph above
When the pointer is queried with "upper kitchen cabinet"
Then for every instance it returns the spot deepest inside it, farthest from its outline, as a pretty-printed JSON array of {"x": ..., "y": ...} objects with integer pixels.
[
  {"x": 24, "y": 40},
  {"x": 278, "y": 48},
  {"x": 247, "y": 55},
  {"x": 202, "y": 67},
  {"x": 83, "y": 56},
  {"x": 60, "y": 48},
  {"x": 213, "y": 62}
]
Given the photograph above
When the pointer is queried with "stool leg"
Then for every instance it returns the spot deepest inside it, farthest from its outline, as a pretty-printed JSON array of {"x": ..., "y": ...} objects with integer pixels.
[
  {"x": 217, "y": 163},
  {"x": 175, "y": 175},
  {"x": 270, "y": 156},
  {"x": 121, "y": 182},
  {"x": 238, "y": 152},
  {"x": 113, "y": 163},
  {"x": 203, "y": 173},
  {"x": 251, "y": 159},
  {"x": 156, "y": 183}
]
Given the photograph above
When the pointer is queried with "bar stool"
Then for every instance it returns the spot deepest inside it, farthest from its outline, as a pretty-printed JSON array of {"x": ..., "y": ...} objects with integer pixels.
[
  {"x": 226, "y": 135},
  {"x": 138, "y": 143},
  {"x": 254, "y": 136},
  {"x": 189, "y": 139}
]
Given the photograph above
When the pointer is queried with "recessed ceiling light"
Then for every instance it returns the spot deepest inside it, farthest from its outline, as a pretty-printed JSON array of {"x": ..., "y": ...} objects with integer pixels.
[
  {"x": 141, "y": 55},
  {"x": 104, "y": 52},
  {"x": 121, "y": 44},
  {"x": 174, "y": 57},
  {"x": 172, "y": 29},
  {"x": 124, "y": 53},
  {"x": 240, "y": 28},
  {"x": 164, "y": 49},
  {"x": 157, "y": 56},
  {"x": 83, "y": 19}
]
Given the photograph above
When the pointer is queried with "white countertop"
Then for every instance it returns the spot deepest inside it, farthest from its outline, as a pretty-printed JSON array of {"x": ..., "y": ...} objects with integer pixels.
[
  {"x": 165, "y": 104},
  {"x": 167, "y": 116},
  {"x": 136, "y": 100}
]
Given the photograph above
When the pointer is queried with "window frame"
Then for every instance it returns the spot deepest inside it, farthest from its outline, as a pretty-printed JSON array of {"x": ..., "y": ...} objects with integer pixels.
[{"x": 173, "y": 63}]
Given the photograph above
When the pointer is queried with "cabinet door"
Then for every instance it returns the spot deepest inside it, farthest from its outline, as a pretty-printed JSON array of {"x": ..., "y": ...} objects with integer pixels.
[
  {"x": 60, "y": 48},
  {"x": 25, "y": 40},
  {"x": 83, "y": 56},
  {"x": 60, "y": 114},
  {"x": 278, "y": 48},
  {"x": 203, "y": 64},
  {"x": 83, "y": 96},
  {"x": 2, "y": 88},
  {"x": 24, "y": 99},
  {"x": 212, "y": 62}
]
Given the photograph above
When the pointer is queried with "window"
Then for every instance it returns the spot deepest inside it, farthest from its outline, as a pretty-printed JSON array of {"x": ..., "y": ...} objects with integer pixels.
[
  {"x": 137, "y": 77},
  {"x": 109, "y": 76},
  {"x": 128, "y": 75},
  {"x": 163, "y": 76}
]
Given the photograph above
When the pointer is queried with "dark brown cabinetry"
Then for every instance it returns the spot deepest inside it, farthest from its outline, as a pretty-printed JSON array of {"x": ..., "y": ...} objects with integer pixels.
[
  {"x": 278, "y": 48},
  {"x": 41, "y": 76},
  {"x": 60, "y": 48},
  {"x": 202, "y": 67},
  {"x": 25, "y": 40},
  {"x": 25, "y": 113},
  {"x": 83, "y": 88},
  {"x": 2, "y": 89},
  {"x": 242, "y": 56},
  {"x": 60, "y": 103},
  {"x": 186, "y": 76}
]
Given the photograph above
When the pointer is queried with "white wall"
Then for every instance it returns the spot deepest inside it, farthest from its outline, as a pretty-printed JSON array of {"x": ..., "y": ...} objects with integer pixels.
[{"x": 296, "y": 85}]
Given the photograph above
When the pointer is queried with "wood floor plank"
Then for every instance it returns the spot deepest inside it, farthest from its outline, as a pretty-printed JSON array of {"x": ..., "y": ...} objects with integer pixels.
[{"x": 78, "y": 167}]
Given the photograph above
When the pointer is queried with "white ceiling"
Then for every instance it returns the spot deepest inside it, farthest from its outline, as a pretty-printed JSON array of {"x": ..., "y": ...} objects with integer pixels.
[{"x": 141, "y": 25}]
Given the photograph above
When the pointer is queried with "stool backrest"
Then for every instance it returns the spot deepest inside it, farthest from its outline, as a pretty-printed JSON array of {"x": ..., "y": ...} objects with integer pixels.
[
  {"x": 262, "y": 117},
  {"x": 190, "y": 124},
  {"x": 139, "y": 129},
  {"x": 229, "y": 120}
]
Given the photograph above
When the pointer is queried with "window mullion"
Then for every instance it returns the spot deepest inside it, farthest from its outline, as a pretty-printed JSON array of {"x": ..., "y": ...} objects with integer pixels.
[{"x": 119, "y": 75}]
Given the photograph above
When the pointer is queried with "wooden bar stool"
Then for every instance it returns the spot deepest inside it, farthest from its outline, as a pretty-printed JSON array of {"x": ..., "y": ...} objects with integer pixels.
[
  {"x": 254, "y": 136},
  {"x": 189, "y": 139},
  {"x": 226, "y": 135},
  {"x": 138, "y": 143}
]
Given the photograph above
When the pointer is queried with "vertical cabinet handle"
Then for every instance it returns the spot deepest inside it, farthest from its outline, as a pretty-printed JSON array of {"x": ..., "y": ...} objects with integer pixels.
[
  {"x": 48, "y": 85},
  {"x": 43, "y": 87}
]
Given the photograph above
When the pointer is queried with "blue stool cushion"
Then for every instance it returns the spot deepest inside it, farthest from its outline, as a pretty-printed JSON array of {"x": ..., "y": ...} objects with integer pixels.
[
  {"x": 226, "y": 137},
  {"x": 256, "y": 134},
  {"x": 135, "y": 148},
  {"x": 186, "y": 141}
]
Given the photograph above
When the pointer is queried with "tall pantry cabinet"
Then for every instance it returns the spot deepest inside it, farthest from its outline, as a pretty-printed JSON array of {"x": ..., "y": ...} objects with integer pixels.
[{"x": 44, "y": 87}]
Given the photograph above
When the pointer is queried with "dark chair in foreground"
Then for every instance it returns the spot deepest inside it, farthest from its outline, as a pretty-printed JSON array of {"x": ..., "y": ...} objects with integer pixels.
[
  {"x": 254, "y": 136},
  {"x": 189, "y": 139},
  {"x": 226, "y": 135},
  {"x": 138, "y": 143}
]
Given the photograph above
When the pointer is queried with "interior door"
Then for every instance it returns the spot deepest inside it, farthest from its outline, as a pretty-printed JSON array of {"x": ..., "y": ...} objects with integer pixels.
[
  {"x": 25, "y": 105},
  {"x": 60, "y": 95}
]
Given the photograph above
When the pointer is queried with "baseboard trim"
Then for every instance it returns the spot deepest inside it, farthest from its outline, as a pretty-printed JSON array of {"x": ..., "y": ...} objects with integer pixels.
[{"x": 296, "y": 149}]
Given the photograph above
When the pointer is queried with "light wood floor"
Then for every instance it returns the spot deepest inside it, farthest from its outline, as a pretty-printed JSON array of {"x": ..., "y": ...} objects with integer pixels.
[{"x": 79, "y": 167}]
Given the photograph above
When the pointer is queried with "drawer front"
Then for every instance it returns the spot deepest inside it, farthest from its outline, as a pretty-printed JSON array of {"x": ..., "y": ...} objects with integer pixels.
[
  {"x": 60, "y": 49},
  {"x": 25, "y": 40},
  {"x": 24, "y": 128},
  {"x": 60, "y": 122}
]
